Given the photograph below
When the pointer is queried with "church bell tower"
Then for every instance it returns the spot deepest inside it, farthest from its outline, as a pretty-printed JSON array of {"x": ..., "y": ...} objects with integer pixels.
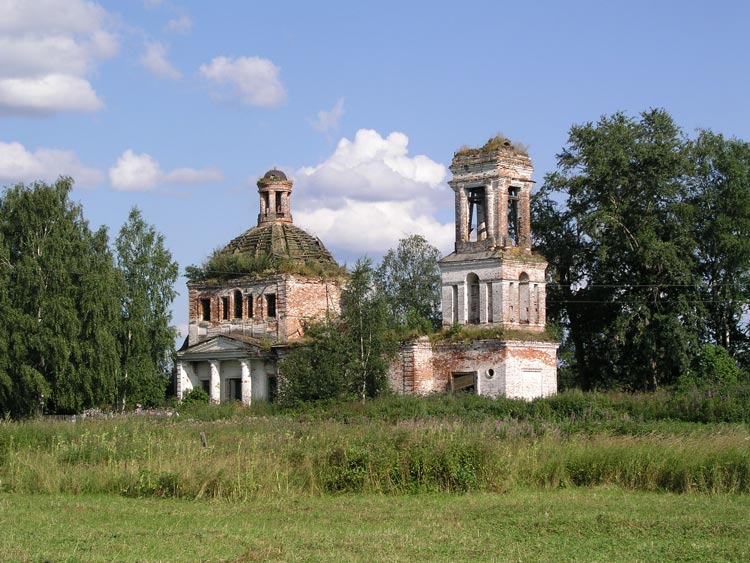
[{"x": 493, "y": 278}]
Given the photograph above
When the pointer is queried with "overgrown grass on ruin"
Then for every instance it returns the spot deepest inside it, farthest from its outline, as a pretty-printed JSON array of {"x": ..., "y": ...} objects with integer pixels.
[{"x": 391, "y": 446}]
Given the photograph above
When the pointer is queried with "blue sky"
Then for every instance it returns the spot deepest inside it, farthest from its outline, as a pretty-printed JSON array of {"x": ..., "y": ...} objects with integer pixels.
[{"x": 178, "y": 107}]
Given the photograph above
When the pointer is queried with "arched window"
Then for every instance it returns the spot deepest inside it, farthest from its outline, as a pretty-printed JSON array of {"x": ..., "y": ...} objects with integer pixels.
[
  {"x": 237, "y": 304},
  {"x": 523, "y": 298},
  {"x": 472, "y": 295}
]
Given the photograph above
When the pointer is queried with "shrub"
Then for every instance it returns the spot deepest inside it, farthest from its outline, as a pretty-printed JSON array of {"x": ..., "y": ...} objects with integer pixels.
[{"x": 195, "y": 396}]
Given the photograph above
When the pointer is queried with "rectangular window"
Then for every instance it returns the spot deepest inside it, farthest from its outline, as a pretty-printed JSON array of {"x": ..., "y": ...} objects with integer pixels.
[
  {"x": 271, "y": 306},
  {"x": 464, "y": 381},
  {"x": 205, "y": 306},
  {"x": 234, "y": 390},
  {"x": 225, "y": 308},
  {"x": 250, "y": 311},
  {"x": 237, "y": 304},
  {"x": 206, "y": 385}
]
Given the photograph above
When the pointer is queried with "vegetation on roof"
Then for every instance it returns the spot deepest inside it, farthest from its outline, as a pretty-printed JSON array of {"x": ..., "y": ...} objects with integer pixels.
[
  {"x": 494, "y": 144},
  {"x": 466, "y": 333},
  {"x": 271, "y": 177},
  {"x": 223, "y": 266}
]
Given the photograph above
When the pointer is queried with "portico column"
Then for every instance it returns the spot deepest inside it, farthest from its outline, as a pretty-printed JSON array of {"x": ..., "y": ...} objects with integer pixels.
[
  {"x": 215, "y": 381},
  {"x": 246, "y": 384},
  {"x": 181, "y": 380}
]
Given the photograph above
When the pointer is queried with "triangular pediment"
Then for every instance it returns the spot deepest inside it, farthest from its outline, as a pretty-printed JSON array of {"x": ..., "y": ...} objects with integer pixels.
[{"x": 222, "y": 345}]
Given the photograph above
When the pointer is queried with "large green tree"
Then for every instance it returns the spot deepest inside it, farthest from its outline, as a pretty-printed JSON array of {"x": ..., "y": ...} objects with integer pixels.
[
  {"x": 720, "y": 195},
  {"x": 409, "y": 279},
  {"x": 146, "y": 337},
  {"x": 621, "y": 247},
  {"x": 58, "y": 304}
]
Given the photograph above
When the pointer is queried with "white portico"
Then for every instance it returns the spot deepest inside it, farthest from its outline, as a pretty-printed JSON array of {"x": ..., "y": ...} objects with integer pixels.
[{"x": 228, "y": 368}]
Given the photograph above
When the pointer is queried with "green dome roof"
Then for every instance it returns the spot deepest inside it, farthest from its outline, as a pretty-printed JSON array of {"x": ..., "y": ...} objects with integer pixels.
[{"x": 281, "y": 241}]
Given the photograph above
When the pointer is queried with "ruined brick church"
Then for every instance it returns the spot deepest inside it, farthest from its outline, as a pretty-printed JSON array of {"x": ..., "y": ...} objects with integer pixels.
[{"x": 240, "y": 326}]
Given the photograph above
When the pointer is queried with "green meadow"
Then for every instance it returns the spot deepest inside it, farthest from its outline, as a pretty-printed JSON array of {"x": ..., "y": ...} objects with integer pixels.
[{"x": 579, "y": 477}]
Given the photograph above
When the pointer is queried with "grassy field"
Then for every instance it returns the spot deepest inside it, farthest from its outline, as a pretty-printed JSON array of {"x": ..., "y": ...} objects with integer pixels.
[
  {"x": 573, "y": 478},
  {"x": 608, "y": 525},
  {"x": 247, "y": 458}
]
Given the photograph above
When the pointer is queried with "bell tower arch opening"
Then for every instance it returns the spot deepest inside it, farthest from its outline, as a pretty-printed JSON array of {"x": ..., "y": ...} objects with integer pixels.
[
  {"x": 477, "y": 213},
  {"x": 514, "y": 200}
]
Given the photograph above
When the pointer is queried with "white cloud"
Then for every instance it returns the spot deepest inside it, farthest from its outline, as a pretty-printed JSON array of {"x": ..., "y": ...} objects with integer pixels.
[
  {"x": 53, "y": 92},
  {"x": 370, "y": 193},
  {"x": 135, "y": 172},
  {"x": 248, "y": 80},
  {"x": 142, "y": 172},
  {"x": 47, "y": 47},
  {"x": 181, "y": 24},
  {"x": 18, "y": 164},
  {"x": 155, "y": 60},
  {"x": 371, "y": 227},
  {"x": 74, "y": 16},
  {"x": 329, "y": 120}
]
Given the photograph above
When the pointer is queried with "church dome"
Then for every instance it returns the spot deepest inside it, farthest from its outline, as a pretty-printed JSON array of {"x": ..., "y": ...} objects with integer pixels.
[
  {"x": 275, "y": 245},
  {"x": 274, "y": 176},
  {"x": 282, "y": 242}
]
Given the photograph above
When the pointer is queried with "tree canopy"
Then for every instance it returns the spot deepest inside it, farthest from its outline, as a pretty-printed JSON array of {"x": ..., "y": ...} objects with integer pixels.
[
  {"x": 61, "y": 306},
  {"x": 646, "y": 234},
  {"x": 347, "y": 356},
  {"x": 408, "y": 278}
]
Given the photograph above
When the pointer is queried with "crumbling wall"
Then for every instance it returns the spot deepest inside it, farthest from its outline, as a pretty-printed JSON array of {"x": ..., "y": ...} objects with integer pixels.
[
  {"x": 500, "y": 368},
  {"x": 309, "y": 299}
]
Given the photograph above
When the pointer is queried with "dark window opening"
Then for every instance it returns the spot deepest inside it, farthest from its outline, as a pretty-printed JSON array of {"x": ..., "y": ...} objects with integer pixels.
[
  {"x": 205, "y": 309},
  {"x": 225, "y": 308},
  {"x": 472, "y": 287},
  {"x": 278, "y": 203},
  {"x": 237, "y": 304},
  {"x": 266, "y": 205},
  {"x": 234, "y": 390},
  {"x": 271, "y": 306},
  {"x": 250, "y": 311},
  {"x": 523, "y": 298},
  {"x": 206, "y": 385},
  {"x": 513, "y": 227},
  {"x": 463, "y": 381},
  {"x": 272, "y": 389}
]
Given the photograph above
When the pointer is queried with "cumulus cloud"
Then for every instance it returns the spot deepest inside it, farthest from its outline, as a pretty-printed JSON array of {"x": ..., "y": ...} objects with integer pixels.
[
  {"x": 53, "y": 92},
  {"x": 181, "y": 24},
  {"x": 155, "y": 60},
  {"x": 142, "y": 172},
  {"x": 47, "y": 48},
  {"x": 329, "y": 120},
  {"x": 248, "y": 80},
  {"x": 370, "y": 193},
  {"x": 18, "y": 164}
]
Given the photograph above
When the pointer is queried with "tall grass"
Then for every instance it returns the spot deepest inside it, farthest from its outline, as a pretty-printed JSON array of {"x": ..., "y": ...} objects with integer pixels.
[{"x": 389, "y": 447}]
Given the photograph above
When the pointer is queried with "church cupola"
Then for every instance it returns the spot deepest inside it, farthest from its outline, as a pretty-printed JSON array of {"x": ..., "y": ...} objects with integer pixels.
[{"x": 275, "y": 191}]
